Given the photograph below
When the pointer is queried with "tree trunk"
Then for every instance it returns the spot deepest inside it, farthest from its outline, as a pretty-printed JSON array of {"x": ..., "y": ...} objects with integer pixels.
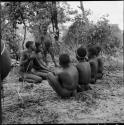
[
  {"x": 54, "y": 20},
  {"x": 83, "y": 12},
  {"x": 24, "y": 35},
  {"x": 82, "y": 8}
]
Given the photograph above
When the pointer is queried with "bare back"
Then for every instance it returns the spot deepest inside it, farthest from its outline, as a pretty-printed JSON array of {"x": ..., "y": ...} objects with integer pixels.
[
  {"x": 100, "y": 65},
  {"x": 84, "y": 72},
  {"x": 69, "y": 77},
  {"x": 5, "y": 61},
  {"x": 94, "y": 67}
]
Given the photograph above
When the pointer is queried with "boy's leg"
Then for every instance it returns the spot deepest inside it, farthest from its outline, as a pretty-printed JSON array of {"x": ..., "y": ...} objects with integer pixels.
[
  {"x": 94, "y": 69},
  {"x": 30, "y": 80},
  {"x": 32, "y": 77},
  {"x": 52, "y": 56},
  {"x": 79, "y": 89},
  {"x": 40, "y": 73},
  {"x": 85, "y": 87}
]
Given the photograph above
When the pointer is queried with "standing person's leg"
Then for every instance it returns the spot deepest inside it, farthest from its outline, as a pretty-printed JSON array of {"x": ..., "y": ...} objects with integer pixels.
[
  {"x": 54, "y": 83},
  {"x": 45, "y": 56},
  {"x": 52, "y": 55}
]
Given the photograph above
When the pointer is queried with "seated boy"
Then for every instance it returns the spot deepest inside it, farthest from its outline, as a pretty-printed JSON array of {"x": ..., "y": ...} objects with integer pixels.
[
  {"x": 93, "y": 63},
  {"x": 84, "y": 70},
  {"x": 65, "y": 81},
  {"x": 39, "y": 67},
  {"x": 100, "y": 62},
  {"x": 26, "y": 64}
]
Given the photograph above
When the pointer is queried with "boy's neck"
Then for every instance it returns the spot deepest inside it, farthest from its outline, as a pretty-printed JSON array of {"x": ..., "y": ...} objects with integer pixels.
[
  {"x": 66, "y": 66},
  {"x": 92, "y": 57},
  {"x": 29, "y": 50},
  {"x": 82, "y": 60}
]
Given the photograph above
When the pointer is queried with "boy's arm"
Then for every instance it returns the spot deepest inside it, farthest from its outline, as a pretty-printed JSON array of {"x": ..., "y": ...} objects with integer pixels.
[
  {"x": 93, "y": 72},
  {"x": 23, "y": 59},
  {"x": 101, "y": 65},
  {"x": 65, "y": 81}
]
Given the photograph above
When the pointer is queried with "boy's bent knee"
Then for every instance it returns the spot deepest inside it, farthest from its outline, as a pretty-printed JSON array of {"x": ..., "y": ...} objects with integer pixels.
[{"x": 33, "y": 77}]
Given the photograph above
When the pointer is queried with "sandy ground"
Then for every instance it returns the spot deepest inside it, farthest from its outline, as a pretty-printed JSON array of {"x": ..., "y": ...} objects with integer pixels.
[{"x": 38, "y": 104}]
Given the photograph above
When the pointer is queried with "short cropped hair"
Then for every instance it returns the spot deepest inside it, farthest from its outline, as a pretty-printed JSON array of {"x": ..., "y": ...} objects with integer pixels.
[
  {"x": 98, "y": 49},
  {"x": 64, "y": 60},
  {"x": 37, "y": 44},
  {"x": 28, "y": 43},
  {"x": 81, "y": 52}
]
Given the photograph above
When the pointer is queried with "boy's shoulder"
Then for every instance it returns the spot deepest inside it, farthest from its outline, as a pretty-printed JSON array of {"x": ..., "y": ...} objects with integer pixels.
[
  {"x": 82, "y": 63},
  {"x": 100, "y": 60},
  {"x": 99, "y": 57},
  {"x": 93, "y": 59},
  {"x": 24, "y": 51}
]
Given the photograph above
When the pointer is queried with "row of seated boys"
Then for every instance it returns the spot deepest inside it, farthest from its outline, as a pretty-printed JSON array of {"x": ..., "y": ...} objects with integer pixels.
[
  {"x": 70, "y": 78},
  {"x": 76, "y": 78}
]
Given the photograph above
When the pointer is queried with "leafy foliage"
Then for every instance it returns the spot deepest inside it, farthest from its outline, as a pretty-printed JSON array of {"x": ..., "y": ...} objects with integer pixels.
[
  {"x": 38, "y": 16},
  {"x": 35, "y": 16},
  {"x": 13, "y": 13},
  {"x": 85, "y": 33},
  {"x": 77, "y": 32}
]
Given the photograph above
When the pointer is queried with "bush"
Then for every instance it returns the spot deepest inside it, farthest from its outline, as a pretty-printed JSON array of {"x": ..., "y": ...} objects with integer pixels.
[{"x": 88, "y": 34}]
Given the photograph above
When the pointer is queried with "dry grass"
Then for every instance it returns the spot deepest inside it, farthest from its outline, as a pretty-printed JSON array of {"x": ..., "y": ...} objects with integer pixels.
[{"x": 40, "y": 104}]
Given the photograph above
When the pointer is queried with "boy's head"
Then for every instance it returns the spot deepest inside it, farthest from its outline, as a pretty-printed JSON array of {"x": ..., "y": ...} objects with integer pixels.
[
  {"x": 38, "y": 46},
  {"x": 29, "y": 45},
  {"x": 81, "y": 53},
  {"x": 98, "y": 49},
  {"x": 91, "y": 52},
  {"x": 64, "y": 60}
]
